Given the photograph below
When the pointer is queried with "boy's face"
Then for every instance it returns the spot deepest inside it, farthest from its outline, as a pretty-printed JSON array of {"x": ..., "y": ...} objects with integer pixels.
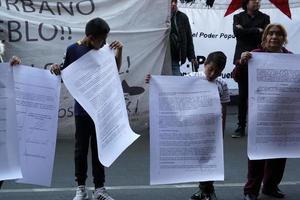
[
  {"x": 98, "y": 42},
  {"x": 211, "y": 71}
]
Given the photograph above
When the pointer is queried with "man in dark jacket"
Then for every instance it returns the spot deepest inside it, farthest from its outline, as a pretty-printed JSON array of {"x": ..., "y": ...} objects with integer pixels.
[
  {"x": 248, "y": 27},
  {"x": 181, "y": 40}
]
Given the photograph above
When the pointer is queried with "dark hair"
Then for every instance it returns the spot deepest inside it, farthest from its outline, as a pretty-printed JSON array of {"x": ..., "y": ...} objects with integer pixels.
[
  {"x": 173, "y": 1},
  {"x": 218, "y": 58},
  {"x": 244, "y": 4},
  {"x": 96, "y": 27}
]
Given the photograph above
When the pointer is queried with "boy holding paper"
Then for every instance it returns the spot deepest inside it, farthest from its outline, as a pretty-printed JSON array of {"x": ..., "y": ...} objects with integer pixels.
[
  {"x": 213, "y": 67},
  {"x": 96, "y": 32}
]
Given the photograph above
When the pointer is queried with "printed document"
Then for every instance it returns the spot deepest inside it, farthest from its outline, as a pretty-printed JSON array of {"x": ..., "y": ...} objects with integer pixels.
[
  {"x": 274, "y": 102},
  {"x": 93, "y": 80},
  {"x": 186, "y": 142}
]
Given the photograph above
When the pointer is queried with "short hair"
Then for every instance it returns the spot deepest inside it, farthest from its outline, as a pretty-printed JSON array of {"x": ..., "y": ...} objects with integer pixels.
[
  {"x": 267, "y": 30},
  {"x": 218, "y": 58},
  {"x": 96, "y": 27},
  {"x": 173, "y": 1},
  {"x": 244, "y": 4}
]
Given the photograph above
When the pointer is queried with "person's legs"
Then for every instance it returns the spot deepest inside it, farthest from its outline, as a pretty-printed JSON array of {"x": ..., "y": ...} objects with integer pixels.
[
  {"x": 242, "y": 109},
  {"x": 176, "y": 68},
  {"x": 243, "y": 105},
  {"x": 97, "y": 167},
  {"x": 82, "y": 138},
  {"x": 207, "y": 186},
  {"x": 274, "y": 170},
  {"x": 255, "y": 177},
  {"x": 206, "y": 191}
]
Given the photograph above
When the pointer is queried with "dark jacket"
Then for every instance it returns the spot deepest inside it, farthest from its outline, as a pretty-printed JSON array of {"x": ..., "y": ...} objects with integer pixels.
[
  {"x": 185, "y": 39},
  {"x": 249, "y": 37}
]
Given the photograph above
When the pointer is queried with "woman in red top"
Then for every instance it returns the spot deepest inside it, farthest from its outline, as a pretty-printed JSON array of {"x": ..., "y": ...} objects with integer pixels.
[{"x": 268, "y": 171}]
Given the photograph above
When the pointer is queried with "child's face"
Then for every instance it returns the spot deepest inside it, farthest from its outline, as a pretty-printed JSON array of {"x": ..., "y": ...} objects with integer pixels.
[
  {"x": 211, "y": 71},
  {"x": 98, "y": 42}
]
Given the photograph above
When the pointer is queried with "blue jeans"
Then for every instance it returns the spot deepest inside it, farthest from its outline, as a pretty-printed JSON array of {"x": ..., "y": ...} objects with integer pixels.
[{"x": 176, "y": 68}]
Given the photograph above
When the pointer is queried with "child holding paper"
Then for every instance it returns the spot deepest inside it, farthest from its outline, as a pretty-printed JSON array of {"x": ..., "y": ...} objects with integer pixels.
[
  {"x": 96, "y": 32},
  {"x": 213, "y": 67}
]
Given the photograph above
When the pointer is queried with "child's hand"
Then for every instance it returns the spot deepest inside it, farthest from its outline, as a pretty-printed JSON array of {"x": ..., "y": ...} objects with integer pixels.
[
  {"x": 116, "y": 45},
  {"x": 147, "y": 78},
  {"x": 55, "y": 69},
  {"x": 15, "y": 60}
]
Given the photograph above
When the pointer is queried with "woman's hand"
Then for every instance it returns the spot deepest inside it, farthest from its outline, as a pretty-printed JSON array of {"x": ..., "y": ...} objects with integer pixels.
[{"x": 245, "y": 56}]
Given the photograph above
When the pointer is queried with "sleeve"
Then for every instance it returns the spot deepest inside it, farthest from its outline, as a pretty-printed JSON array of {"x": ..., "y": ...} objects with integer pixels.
[
  {"x": 66, "y": 59},
  {"x": 267, "y": 21},
  {"x": 189, "y": 37},
  {"x": 224, "y": 94},
  {"x": 243, "y": 33}
]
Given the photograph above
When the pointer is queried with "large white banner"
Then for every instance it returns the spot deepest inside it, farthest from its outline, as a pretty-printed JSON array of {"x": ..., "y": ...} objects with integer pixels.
[
  {"x": 40, "y": 31},
  {"x": 274, "y": 101},
  {"x": 212, "y": 27}
]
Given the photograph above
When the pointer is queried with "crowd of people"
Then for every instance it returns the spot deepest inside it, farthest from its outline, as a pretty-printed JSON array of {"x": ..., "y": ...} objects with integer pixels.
[{"x": 253, "y": 33}]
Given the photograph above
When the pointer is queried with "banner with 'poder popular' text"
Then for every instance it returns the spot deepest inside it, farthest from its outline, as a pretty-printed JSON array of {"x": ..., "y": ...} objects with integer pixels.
[{"x": 212, "y": 27}]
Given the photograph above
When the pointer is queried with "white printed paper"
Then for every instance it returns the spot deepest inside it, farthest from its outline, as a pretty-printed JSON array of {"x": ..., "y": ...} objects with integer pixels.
[
  {"x": 37, "y": 101},
  {"x": 10, "y": 167},
  {"x": 94, "y": 82},
  {"x": 186, "y": 143},
  {"x": 274, "y": 102}
]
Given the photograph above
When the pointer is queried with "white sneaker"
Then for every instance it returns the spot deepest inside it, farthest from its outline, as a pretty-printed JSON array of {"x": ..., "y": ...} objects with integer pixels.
[
  {"x": 81, "y": 193},
  {"x": 101, "y": 194}
]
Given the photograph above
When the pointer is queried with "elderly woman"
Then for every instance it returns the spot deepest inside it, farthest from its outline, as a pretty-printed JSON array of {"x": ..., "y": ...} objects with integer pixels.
[{"x": 269, "y": 171}]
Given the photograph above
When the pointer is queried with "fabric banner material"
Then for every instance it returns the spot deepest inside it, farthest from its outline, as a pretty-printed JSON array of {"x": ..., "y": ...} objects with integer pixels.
[
  {"x": 48, "y": 27},
  {"x": 212, "y": 28}
]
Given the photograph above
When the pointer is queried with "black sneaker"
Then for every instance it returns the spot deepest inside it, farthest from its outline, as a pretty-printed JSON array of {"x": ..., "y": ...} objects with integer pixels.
[
  {"x": 239, "y": 132},
  {"x": 204, "y": 196}
]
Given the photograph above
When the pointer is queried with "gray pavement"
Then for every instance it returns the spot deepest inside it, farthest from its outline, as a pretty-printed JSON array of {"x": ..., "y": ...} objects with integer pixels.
[{"x": 128, "y": 177}]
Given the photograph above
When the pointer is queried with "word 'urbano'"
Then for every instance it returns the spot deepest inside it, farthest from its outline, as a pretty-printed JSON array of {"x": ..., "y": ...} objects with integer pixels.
[{"x": 84, "y": 7}]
